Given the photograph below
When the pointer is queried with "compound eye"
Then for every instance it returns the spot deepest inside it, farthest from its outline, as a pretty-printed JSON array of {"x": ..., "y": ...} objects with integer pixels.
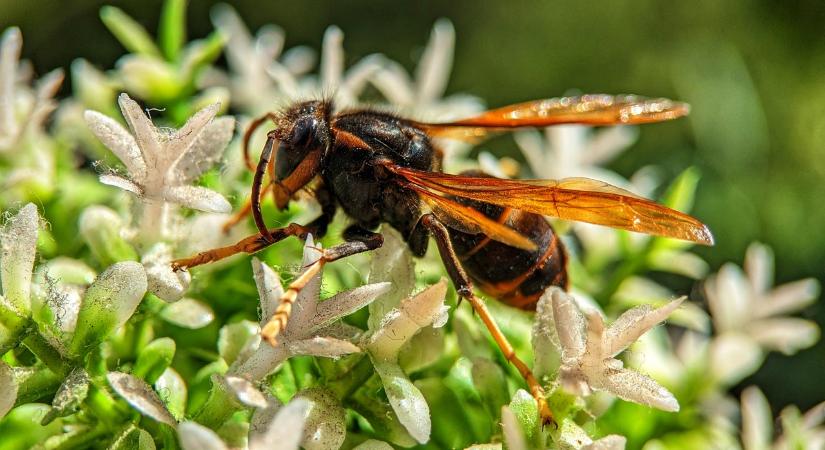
[{"x": 302, "y": 132}]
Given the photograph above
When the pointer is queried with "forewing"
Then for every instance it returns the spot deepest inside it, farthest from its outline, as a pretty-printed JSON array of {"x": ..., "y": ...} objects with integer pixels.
[{"x": 579, "y": 199}]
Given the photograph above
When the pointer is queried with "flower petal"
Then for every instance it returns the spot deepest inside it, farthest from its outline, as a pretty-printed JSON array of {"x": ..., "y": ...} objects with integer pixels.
[
  {"x": 197, "y": 197},
  {"x": 119, "y": 141},
  {"x": 346, "y": 303},
  {"x": 391, "y": 262},
  {"x": 433, "y": 71},
  {"x": 138, "y": 394},
  {"x": 322, "y": 346},
  {"x": 788, "y": 298},
  {"x": 121, "y": 183},
  {"x": 733, "y": 356},
  {"x": 759, "y": 267},
  {"x": 569, "y": 323},
  {"x": 10, "y": 47},
  {"x": 144, "y": 131},
  {"x": 8, "y": 389},
  {"x": 172, "y": 392},
  {"x": 402, "y": 323},
  {"x": 188, "y": 313},
  {"x": 182, "y": 140},
  {"x": 786, "y": 335},
  {"x": 634, "y": 323},
  {"x": 306, "y": 304},
  {"x": 194, "y": 436},
  {"x": 729, "y": 297},
  {"x": 205, "y": 152},
  {"x": 332, "y": 59},
  {"x": 609, "y": 442},
  {"x": 285, "y": 430},
  {"x": 757, "y": 421},
  {"x": 168, "y": 284},
  {"x": 638, "y": 388},
  {"x": 406, "y": 400},
  {"x": 18, "y": 243},
  {"x": 269, "y": 288},
  {"x": 246, "y": 393},
  {"x": 546, "y": 345},
  {"x": 513, "y": 435}
]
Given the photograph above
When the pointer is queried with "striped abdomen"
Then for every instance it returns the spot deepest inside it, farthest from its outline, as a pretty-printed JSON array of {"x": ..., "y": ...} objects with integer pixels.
[{"x": 511, "y": 275}]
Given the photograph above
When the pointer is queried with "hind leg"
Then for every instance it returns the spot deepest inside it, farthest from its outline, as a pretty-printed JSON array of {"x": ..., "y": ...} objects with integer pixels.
[{"x": 464, "y": 288}]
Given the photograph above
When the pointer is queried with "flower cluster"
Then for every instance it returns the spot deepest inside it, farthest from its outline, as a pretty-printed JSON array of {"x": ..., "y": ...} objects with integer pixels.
[{"x": 102, "y": 342}]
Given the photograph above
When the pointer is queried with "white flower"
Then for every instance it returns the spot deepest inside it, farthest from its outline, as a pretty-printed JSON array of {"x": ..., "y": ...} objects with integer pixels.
[
  {"x": 313, "y": 328},
  {"x": 588, "y": 350},
  {"x": 259, "y": 80},
  {"x": 798, "y": 430},
  {"x": 394, "y": 320},
  {"x": 422, "y": 95},
  {"x": 22, "y": 109},
  {"x": 748, "y": 315},
  {"x": 575, "y": 151},
  {"x": 163, "y": 163}
]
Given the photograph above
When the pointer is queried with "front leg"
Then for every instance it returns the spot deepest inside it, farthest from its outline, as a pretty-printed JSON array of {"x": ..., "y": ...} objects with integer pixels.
[{"x": 358, "y": 240}]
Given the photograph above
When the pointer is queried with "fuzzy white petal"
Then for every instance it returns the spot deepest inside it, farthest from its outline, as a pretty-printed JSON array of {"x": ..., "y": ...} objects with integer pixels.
[
  {"x": 144, "y": 131},
  {"x": 138, "y": 394},
  {"x": 205, "y": 152},
  {"x": 635, "y": 387},
  {"x": 286, "y": 429},
  {"x": 759, "y": 267},
  {"x": 245, "y": 392},
  {"x": 788, "y": 298},
  {"x": 345, "y": 303},
  {"x": 188, "y": 313},
  {"x": 546, "y": 346},
  {"x": 306, "y": 304},
  {"x": 197, "y": 197},
  {"x": 119, "y": 141},
  {"x": 728, "y": 297},
  {"x": 392, "y": 263},
  {"x": 513, "y": 435},
  {"x": 8, "y": 389},
  {"x": 182, "y": 140},
  {"x": 322, "y": 346},
  {"x": 609, "y": 442},
  {"x": 269, "y": 288},
  {"x": 569, "y": 324},
  {"x": 787, "y": 335},
  {"x": 10, "y": 47},
  {"x": 632, "y": 324},
  {"x": 122, "y": 183},
  {"x": 436, "y": 62},
  {"x": 757, "y": 421},
  {"x": 406, "y": 400},
  {"x": 733, "y": 356},
  {"x": 164, "y": 282},
  {"x": 18, "y": 242},
  {"x": 402, "y": 323},
  {"x": 194, "y": 436},
  {"x": 332, "y": 59}
]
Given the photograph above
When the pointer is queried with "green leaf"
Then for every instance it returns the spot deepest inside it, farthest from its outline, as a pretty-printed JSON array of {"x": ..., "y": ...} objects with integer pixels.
[
  {"x": 69, "y": 396},
  {"x": 201, "y": 53},
  {"x": 172, "y": 28},
  {"x": 154, "y": 359},
  {"x": 681, "y": 192},
  {"x": 101, "y": 228},
  {"x": 131, "y": 34},
  {"x": 491, "y": 384}
]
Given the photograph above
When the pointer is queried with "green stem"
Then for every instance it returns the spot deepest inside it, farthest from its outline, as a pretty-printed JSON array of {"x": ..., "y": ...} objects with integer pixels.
[
  {"x": 47, "y": 354},
  {"x": 344, "y": 386}
]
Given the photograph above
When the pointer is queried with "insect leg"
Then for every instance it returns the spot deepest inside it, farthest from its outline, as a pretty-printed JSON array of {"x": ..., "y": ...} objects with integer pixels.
[
  {"x": 250, "y": 244},
  {"x": 247, "y": 136},
  {"x": 358, "y": 240},
  {"x": 464, "y": 288}
]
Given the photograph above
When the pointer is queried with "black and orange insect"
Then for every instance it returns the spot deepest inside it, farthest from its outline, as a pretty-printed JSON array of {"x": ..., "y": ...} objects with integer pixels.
[{"x": 381, "y": 168}]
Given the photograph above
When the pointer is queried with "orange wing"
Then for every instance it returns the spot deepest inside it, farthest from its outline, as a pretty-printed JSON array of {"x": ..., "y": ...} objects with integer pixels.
[
  {"x": 466, "y": 219},
  {"x": 579, "y": 199},
  {"x": 591, "y": 109}
]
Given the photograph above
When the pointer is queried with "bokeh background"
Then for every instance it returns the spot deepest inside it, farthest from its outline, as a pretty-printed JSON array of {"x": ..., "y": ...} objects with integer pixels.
[{"x": 754, "y": 73}]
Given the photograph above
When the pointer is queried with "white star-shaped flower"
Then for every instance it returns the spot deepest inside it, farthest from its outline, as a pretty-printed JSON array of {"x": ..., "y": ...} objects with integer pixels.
[
  {"x": 749, "y": 315},
  {"x": 588, "y": 350},
  {"x": 798, "y": 430},
  {"x": 313, "y": 328},
  {"x": 22, "y": 108},
  {"x": 162, "y": 163}
]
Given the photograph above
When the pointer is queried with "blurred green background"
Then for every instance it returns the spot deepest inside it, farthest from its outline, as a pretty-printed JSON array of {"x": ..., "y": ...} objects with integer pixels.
[{"x": 754, "y": 73}]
